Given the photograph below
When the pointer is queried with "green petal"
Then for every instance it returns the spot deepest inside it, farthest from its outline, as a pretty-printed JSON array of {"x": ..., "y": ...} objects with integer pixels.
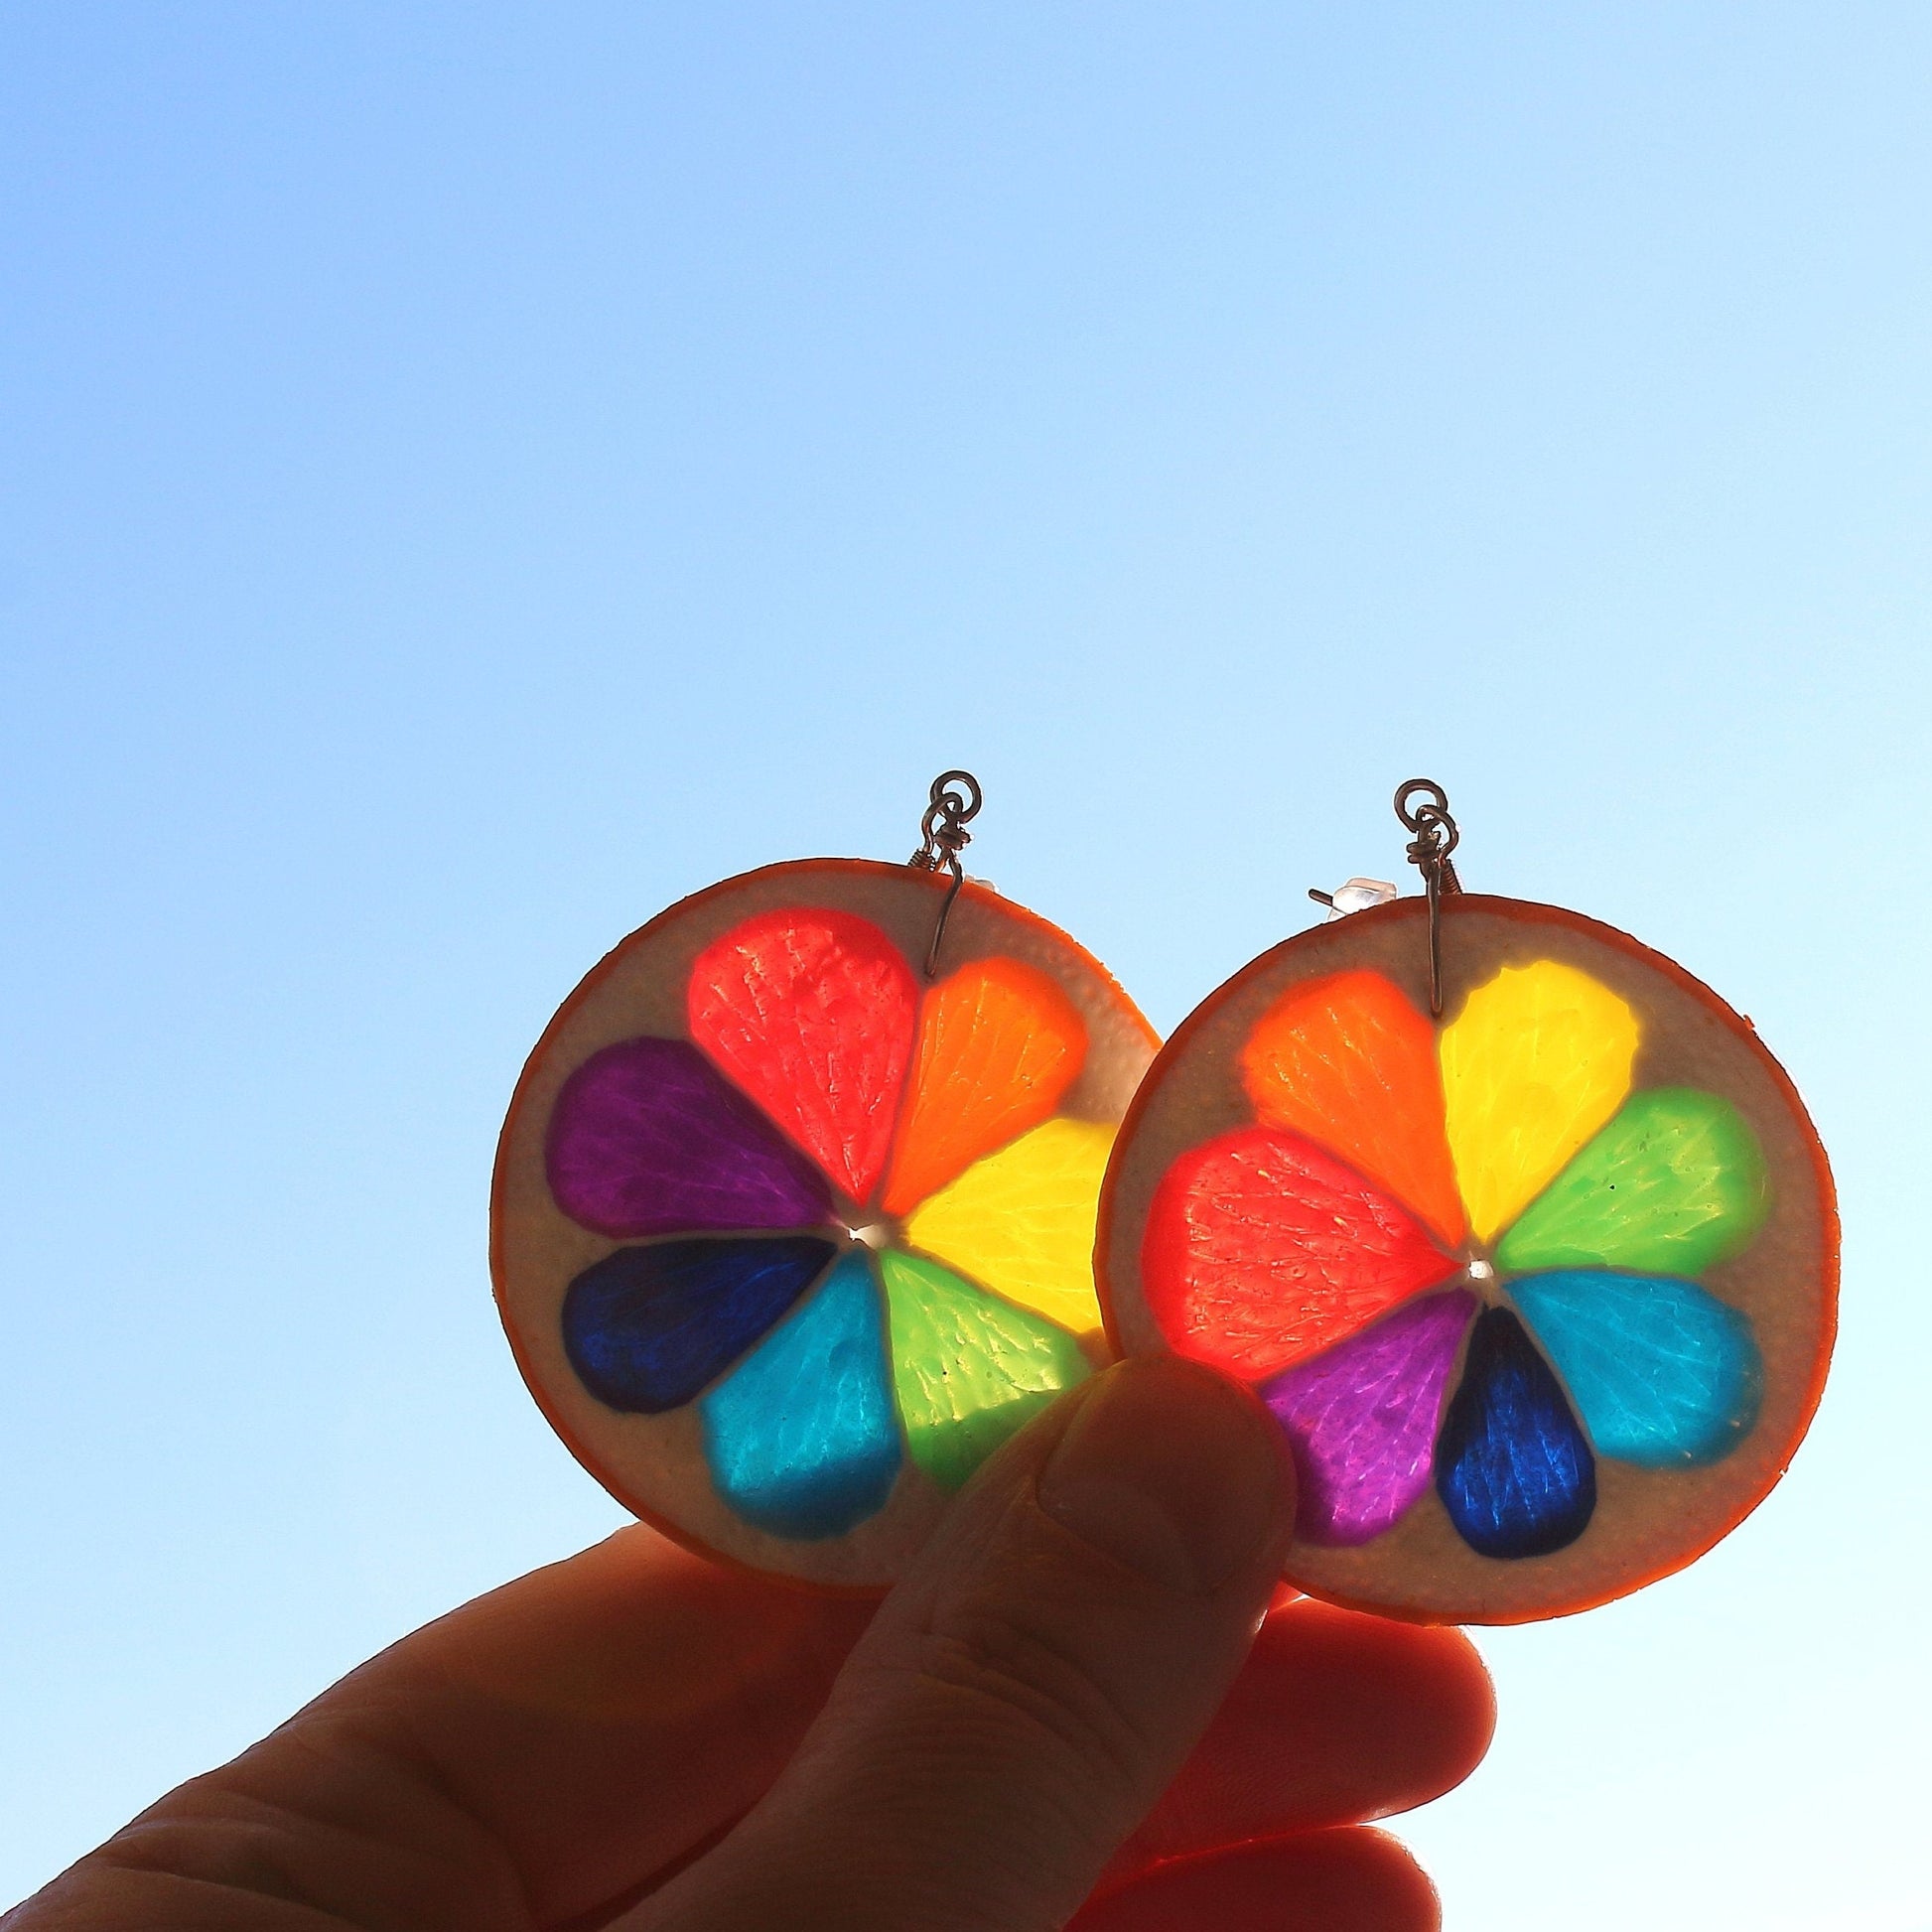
[
  {"x": 1674, "y": 1185},
  {"x": 968, "y": 1370}
]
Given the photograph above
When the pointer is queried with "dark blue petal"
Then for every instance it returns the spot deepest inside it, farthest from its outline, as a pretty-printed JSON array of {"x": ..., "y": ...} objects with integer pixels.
[
  {"x": 1512, "y": 1468},
  {"x": 645, "y": 1328},
  {"x": 800, "y": 1437}
]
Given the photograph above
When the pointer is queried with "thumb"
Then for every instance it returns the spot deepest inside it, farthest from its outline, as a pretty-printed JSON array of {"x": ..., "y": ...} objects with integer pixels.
[{"x": 1034, "y": 1682}]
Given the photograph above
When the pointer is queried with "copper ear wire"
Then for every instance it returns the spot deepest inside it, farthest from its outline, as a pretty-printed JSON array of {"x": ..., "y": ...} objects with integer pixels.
[
  {"x": 943, "y": 835},
  {"x": 1436, "y": 838}
]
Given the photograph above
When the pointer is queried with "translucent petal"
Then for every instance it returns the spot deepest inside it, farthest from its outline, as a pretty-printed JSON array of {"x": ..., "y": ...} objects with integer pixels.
[
  {"x": 1262, "y": 1248},
  {"x": 968, "y": 1370},
  {"x": 1362, "y": 1418},
  {"x": 1021, "y": 1220},
  {"x": 1538, "y": 1059},
  {"x": 998, "y": 1044},
  {"x": 1512, "y": 1468},
  {"x": 812, "y": 1013},
  {"x": 1673, "y": 1186},
  {"x": 1662, "y": 1373},
  {"x": 647, "y": 1137},
  {"x": 645, "y": 1328},
  {"x": 1349, "y": 1062},
  {"x": 800, "y": 1436}
]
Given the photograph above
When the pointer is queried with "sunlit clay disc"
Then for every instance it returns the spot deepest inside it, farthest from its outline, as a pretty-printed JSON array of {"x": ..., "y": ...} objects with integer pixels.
[
  {"x": 1542, "y": 1294},
  {"x": 787, "y": 1238}
]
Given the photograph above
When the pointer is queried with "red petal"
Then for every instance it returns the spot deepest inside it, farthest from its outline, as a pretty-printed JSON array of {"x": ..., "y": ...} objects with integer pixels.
[
  {"x": 1262, "y": 1248},
  {"x": 812, "y": 1013}
]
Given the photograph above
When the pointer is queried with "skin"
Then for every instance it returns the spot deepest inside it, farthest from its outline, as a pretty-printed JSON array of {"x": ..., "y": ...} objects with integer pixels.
[{"x": 1062, "y": 1715}]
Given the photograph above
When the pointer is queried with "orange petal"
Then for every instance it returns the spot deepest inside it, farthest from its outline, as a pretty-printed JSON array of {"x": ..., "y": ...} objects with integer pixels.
[
  {"x": 1349, "y": 1062},
  {"x": 1262, "y": 1248},
  {"x": 998, "y": 1044},
  {"x": 810, "y": 1011}
]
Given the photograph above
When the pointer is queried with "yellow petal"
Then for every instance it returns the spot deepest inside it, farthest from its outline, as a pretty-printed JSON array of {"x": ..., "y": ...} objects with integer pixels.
[
  {"x": 1020, "y": 1221},
  {"x": 1538, "y": 1059}
]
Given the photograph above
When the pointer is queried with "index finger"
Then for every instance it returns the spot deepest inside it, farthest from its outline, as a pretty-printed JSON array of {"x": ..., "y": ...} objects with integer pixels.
[{"x": 602, "y": 1716}]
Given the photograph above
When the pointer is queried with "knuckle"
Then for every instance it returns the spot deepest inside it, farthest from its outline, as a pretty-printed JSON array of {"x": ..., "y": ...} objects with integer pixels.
[
  {"x": 213, "y": 1834},
  {"x": 997, "y": 1670},
  {"x": 238, "y": 1853}
]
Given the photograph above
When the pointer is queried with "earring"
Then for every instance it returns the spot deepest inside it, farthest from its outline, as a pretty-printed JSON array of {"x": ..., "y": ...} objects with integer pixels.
[
  {"x": 793, "y": 1211},
  {"x": 1517, "y": 1229}
]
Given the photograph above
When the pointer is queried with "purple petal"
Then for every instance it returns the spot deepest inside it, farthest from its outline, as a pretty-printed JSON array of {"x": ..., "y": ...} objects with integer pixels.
[
  {"x": 1362, "y": 1418},
  {"x": 647, "y": 1137}
]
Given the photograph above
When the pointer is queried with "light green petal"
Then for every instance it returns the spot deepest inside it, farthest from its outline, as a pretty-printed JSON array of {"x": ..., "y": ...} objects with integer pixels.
[
  {"x": 1674, "y": 1185},
  {"x": 967, "y": 1369}
]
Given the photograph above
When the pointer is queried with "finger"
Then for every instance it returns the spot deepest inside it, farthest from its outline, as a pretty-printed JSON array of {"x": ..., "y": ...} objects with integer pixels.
[
  {"x": 555, "y": 1741},
  {"x": 1034, "y": 1682},
  {"x": 1328, "y": 1882},
  {"x": 1337, "y": 1718},
  {"x": 602, "y": 1716}
]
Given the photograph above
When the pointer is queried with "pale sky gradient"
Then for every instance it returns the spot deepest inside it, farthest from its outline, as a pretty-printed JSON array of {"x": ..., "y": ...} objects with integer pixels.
[{"x": 474, "y": 473}]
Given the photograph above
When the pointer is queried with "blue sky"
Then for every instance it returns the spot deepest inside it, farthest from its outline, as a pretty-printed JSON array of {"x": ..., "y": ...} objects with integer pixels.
[{"x": 474, "y": 474}]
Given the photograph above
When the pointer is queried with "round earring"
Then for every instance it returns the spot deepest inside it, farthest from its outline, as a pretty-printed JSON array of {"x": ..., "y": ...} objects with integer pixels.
[
  {"x": 793, "y": 1211},
  {"x": 1517, "y": 1229}
]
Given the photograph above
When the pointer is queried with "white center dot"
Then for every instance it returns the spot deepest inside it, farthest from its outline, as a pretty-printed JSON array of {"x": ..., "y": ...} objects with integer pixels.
[{"x": 1480, "y": 1270}]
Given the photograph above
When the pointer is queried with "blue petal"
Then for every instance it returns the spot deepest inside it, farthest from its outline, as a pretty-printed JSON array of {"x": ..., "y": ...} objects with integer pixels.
[
  {"x": 800, "y": 1437},
  {"x": 1511, "y": 1466},
  {"x": 645, "y": 1328},
  {"x": 1663, "y": 1373}
]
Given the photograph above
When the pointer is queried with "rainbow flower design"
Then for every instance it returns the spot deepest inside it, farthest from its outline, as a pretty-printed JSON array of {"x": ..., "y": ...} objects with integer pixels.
[
  {"x": 857, "y": 1220},
  {"x": 1466, "y": 1254}
]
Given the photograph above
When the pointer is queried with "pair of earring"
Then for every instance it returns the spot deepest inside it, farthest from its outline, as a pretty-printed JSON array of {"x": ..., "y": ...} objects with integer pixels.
[{"x": 825, "y": 1181}]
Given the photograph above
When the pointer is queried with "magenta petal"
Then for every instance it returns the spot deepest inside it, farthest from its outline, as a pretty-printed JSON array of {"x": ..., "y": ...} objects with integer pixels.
[
  {"x": 1362, "y": 1418},
  {"x": 647, "y": 1137}
]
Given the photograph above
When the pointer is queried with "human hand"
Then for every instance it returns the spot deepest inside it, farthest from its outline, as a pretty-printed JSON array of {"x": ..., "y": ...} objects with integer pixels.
[{"x": 640, "y": 1739}]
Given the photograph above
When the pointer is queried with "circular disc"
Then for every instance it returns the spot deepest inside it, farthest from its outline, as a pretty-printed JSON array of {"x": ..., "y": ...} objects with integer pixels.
[
  {"x": 786, "y": 1237},
  {"x": 1542, "y": 1292}
]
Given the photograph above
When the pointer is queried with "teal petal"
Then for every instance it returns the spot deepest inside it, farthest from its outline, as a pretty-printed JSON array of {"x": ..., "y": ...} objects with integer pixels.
[
  {"x": 800, "y": 1437},
  {"x": 1662, "y": 1373}
]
